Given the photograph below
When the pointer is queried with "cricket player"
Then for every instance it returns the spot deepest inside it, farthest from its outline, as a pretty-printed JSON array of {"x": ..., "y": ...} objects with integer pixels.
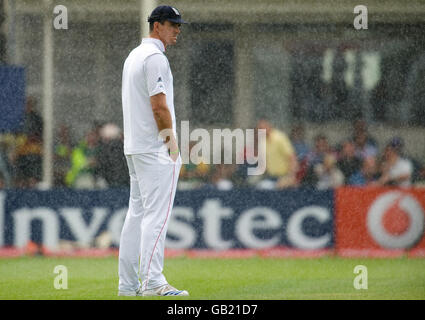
[{"x": 153, "y": 158}]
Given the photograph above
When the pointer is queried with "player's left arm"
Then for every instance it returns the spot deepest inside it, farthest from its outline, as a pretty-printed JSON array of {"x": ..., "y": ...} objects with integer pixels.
[
  {"x": 163, "y": 120},
  {"x": 156, "y": 70}
]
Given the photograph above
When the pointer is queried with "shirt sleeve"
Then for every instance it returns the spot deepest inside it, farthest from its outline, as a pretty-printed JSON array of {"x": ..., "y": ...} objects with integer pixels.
[{"x": 156, "y": 69}]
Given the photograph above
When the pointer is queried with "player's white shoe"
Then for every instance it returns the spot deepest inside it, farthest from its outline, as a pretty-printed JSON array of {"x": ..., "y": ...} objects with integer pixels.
[{"x": 165, "y": 290}]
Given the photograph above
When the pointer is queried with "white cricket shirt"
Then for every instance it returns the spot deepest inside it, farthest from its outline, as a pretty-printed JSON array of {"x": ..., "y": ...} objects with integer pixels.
[{"x": 146, "y": 73}]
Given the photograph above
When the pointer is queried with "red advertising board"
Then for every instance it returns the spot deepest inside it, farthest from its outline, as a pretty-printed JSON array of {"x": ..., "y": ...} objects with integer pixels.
[{"x": 380, "y": 221}]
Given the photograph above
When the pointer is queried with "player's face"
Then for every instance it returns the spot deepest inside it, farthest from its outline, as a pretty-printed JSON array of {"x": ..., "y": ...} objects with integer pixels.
[{"x": 168, "y": 32}]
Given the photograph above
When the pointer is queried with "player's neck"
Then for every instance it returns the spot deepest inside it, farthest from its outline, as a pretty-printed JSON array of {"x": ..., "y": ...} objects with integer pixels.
[{"x": 154, "y": 36}]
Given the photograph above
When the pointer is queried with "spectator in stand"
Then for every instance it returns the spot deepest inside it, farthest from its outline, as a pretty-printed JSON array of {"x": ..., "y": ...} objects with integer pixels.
[
  {"x": 368, "y": 174},
  {"x": 28, "y": 162},
  {"x": 62, "y": 156},
  {"x": 6, "y": 170},
  {"x": 395, "y": 170},
  {"x": 321, "y": 148},
  {"x": 281, "y": 160},
  {"x": 83, "y": 171},
  {"x": 33, "y": 122},
  {"x": 2, "y": 181},
  {"x": 420, "y": 179},
  {"x": 302, "y": 150},
  {"x": 28, "y": 154},
  {"x": 359, "y": 128},
  {"x": 196, "y": 172},
  {"x": 297, "y": 138},
  {"x": 364, "y": 149},
  {"x": 348, "y": 161},
  {"x": 112, "y": 166},
  {"x": 329, "y": 176},
  {"x": 315, "y": 157},
  {"x": 417, "y": 168},
  {"x": 366, "y": 145}
]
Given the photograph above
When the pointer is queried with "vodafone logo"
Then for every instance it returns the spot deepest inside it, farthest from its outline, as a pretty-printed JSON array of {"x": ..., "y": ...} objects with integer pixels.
[{"x": 396, "y": 220}]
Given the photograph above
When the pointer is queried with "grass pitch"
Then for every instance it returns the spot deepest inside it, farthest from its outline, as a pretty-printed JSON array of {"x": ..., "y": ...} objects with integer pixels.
[{"x": 222, "y": 279}]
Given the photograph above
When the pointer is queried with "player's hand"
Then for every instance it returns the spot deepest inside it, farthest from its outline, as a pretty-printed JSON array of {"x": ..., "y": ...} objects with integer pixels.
[
  {"x": 174, "y": 155},
  {"x": 173, "y": 148}
]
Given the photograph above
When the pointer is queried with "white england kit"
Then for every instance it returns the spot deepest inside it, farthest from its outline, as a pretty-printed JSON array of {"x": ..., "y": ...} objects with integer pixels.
[{"x": 153, "y": 174}]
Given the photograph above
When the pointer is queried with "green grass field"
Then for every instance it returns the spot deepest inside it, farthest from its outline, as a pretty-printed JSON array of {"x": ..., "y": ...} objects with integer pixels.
[{"x": 222, "y": 279}]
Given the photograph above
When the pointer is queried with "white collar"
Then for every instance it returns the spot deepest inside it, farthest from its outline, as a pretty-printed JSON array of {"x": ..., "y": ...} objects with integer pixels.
[{"x": 156, "y": 42}]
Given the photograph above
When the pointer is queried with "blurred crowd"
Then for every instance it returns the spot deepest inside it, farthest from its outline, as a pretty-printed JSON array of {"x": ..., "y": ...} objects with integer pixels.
[
  {"x": 357, "y": 160},
  {"x": 97, "y": 161}
]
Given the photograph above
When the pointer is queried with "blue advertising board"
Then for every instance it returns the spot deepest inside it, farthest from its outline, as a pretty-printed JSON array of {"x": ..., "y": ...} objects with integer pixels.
[
  {"x": 12, "y": 98},
  {"x": 205, "y": 218}
]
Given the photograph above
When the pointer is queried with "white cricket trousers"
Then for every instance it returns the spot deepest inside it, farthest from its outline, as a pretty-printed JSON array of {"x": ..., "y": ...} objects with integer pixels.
[{"x": 153, "y": 183}]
